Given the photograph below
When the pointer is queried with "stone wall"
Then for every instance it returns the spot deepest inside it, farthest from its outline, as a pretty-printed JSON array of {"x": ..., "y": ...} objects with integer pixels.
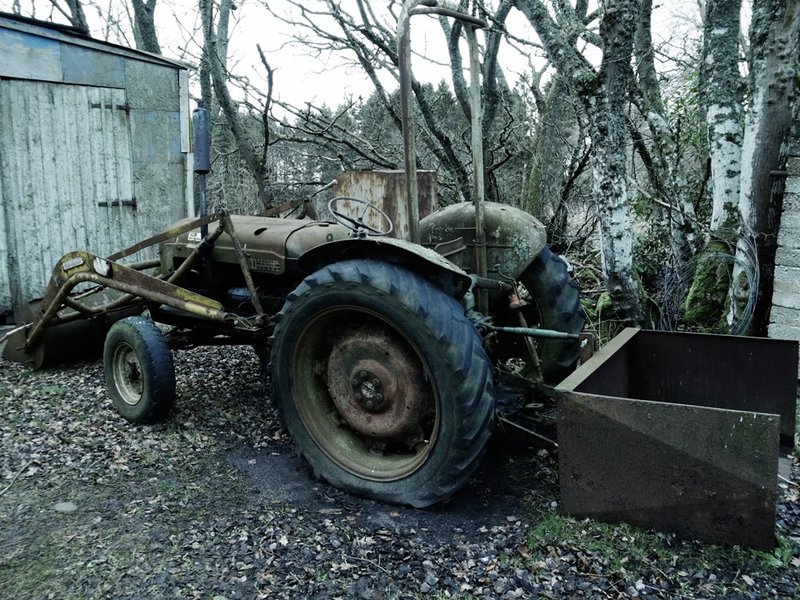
[{"x": 785, "y": 316}]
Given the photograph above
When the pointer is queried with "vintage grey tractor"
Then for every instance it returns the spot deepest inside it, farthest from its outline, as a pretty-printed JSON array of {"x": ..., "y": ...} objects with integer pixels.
[{"x": 387, "y": 359}]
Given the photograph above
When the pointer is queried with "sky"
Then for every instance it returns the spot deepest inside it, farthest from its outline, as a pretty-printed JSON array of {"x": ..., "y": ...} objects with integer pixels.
[{"x": 300, "y": 78}]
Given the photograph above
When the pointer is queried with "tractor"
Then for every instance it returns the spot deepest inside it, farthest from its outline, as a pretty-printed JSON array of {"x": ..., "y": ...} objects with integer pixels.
[
  {"x": 388, "y": 361},
  {"x": 389, "y": 358}
]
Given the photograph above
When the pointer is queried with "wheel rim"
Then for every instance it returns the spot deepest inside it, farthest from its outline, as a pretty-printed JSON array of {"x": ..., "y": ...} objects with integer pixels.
[
  {"x": 364, "y": 394},
  {"x": 128, "y": 375}
]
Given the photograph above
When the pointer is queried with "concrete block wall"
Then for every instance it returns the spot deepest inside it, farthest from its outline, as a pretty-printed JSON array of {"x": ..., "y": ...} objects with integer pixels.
[{"x": 785, "y": 315}]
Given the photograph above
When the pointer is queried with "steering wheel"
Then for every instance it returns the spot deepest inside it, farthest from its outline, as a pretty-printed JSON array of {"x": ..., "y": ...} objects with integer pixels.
[{"x": 357, "y": 223}]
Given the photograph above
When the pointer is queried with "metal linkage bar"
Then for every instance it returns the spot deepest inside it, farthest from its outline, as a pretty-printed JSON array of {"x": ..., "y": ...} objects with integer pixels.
[{"x": 532, "y": 332}]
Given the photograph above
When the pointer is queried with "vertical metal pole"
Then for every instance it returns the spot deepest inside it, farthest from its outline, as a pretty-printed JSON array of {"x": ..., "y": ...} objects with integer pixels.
[
  {"x": 202, "y": 158},
  {"x": 478, "y": 183},
  {"x": 409, "y": 141},
  {"x": 420, "y": 7}
]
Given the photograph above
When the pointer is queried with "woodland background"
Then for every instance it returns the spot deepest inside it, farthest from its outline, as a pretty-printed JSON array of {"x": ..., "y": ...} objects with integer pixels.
[{"x": 657, "y": 167}]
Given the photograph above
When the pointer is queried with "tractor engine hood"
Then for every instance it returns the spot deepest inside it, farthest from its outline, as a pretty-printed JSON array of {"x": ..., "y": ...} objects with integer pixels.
[
  {"x": 267, "y": 242},
  {"x": 513, "y": 237}
]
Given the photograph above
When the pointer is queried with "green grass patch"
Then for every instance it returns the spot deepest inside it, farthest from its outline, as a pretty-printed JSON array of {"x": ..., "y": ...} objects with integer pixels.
[{"x": 623, "y": 547}]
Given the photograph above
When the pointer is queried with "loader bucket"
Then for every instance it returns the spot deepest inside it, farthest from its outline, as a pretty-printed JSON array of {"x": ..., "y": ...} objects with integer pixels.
[
  {"x": 679, "y": 432},
  {"x": 61, "y": 343},
  {"x": 69, "y": 338}
]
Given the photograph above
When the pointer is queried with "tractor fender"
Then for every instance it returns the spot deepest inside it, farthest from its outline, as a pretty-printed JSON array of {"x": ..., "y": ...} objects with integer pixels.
[
  {"x": 425, "y": 262},
  {"x": 513, "y": 237}
]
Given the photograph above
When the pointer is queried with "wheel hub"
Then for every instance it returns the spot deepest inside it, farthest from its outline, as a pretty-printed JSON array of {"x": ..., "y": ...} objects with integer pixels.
[
  {"x": 377, "y": 386},
  {"x": 130, "y": 384},
  {"x": 368, "y": 391}
]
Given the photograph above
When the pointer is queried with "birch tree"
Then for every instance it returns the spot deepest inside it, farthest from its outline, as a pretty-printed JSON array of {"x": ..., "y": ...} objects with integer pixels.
[
  {"x": 722, "y": 90},
  {"x": 774, "y": 56},
  {"x": 604, "y": 92}
]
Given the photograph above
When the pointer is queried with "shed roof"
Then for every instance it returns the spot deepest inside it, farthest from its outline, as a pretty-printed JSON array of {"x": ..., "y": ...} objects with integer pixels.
[{"x": 75, "y": 36}]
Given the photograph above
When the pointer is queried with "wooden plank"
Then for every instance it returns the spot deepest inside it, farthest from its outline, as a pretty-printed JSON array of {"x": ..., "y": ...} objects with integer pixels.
[
  {"x": 36, "y": 231},
  {"x": 11, "y": 187},
  {"x": 66, "y": 149},
  {"x": 68, "y": 194},
  {"x": 5, "y": 281},
  {"x": 28, "y": 56},
  {"x": 84, "y": 185}
]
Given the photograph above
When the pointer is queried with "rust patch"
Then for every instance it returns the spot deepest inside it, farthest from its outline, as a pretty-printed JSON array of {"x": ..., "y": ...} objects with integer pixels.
[{"x": 377, "y": 386}]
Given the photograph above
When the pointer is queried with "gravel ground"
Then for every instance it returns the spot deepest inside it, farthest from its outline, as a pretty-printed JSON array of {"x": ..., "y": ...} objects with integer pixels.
[{"x": 214, "y": 504}]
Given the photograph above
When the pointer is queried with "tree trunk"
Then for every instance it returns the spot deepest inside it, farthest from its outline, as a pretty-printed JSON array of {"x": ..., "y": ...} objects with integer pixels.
[
  {"x": 144, "y": 26},
  {"x": 662, "y": 157},
  {"x": 721, "y": 92},
  {"x": 774, "y": 39},
  {"x": 604, "y": 94},
  {"x": 722, "y": 99},
  {"x": 76, "y": 15},
  {"x": 557, "y": 137},
  {"x": 608, "y": 122},
  {"x": 216, "y": 54}
]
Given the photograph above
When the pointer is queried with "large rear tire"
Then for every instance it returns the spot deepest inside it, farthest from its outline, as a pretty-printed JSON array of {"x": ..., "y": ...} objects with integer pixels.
[
  {"x": 556, "y": 305},
  {"x": 139, "y": 370},
  {"x": 382, "y": 382}
]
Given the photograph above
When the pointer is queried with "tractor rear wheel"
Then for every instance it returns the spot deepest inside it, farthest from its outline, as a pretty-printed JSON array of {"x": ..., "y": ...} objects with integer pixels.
[
  {"x": 382, "y": 382},
  {"x": 139, "y": 370},
  {"x": 556, "y": 305}
]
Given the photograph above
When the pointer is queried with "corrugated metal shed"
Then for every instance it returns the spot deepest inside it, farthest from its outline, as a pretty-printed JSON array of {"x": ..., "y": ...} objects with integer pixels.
[{"x": 93, "y": 150}]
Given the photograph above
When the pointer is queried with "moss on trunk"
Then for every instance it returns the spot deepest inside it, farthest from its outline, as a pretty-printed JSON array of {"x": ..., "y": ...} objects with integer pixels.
[{"x": 705, "y": 303}]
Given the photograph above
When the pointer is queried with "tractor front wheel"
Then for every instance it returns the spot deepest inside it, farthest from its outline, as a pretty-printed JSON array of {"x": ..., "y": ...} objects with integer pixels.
[
  {"x": 382, "y": 382},
  {"x": 140, "y": 373}
]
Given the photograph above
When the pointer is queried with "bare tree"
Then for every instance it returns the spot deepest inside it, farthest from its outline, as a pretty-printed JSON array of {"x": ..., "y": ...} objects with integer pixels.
[
  {"x": 73, "y": 11},
  {"x": 604, "y": 92},
  {"x": 367, "y": 37},
  {"x": 774, "y": 70},
  {"x": 253, "y": 153},
  {"x": 144, "y": 26}
]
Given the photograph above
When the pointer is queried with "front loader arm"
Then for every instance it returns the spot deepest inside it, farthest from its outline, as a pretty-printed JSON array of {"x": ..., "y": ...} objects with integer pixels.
[
  {"x": 121, "y": 287},
  {"x": 80, "y": 266}
]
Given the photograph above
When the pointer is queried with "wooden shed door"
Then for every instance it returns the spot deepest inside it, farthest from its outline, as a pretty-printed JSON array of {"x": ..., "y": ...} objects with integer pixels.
[{"x": 65, "y": 165}]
